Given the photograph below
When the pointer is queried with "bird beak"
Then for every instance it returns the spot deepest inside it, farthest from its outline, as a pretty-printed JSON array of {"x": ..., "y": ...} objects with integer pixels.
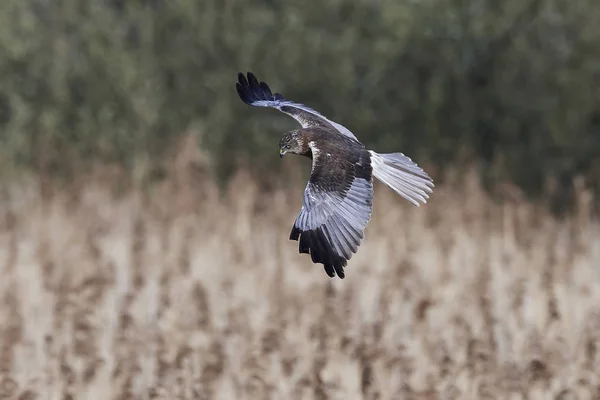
[{"x": 281, "y": 153}]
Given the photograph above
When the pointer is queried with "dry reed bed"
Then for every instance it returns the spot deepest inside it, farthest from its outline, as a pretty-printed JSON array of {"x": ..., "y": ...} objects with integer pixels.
[{"x": 183, "y": 294}]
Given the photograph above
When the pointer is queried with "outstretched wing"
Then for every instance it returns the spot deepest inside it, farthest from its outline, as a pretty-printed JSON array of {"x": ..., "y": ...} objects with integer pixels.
[
  {"x": 338, "y": 202},
  {"x": 255, "y": 93}
]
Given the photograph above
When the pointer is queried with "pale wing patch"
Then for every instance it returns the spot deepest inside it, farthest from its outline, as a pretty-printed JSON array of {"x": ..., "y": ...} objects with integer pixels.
[
  {"x": 315, "y": 154},
  {"x": 343, "y": 219}
]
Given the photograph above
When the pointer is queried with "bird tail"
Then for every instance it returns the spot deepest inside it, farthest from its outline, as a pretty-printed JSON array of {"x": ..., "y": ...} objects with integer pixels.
[{"x": 402, "y": 175}]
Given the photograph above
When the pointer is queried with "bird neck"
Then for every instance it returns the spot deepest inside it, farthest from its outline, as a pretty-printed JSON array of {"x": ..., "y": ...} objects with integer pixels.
[{"x": 304, "y": 148}]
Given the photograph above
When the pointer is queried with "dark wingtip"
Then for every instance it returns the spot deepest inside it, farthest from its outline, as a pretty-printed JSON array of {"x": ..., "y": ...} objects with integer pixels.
[
  {"x": 303, "y": 246},
  {"x": 315, "y": 243},
  {"x": 251, "y": 89},
  {"x": 295, "y": 233},
  {"x": 266, "y": 91},
  {"x": 242, "y": 79},
  {"x": 329, "y": 270},
  {"x": 252, "y": 79}
]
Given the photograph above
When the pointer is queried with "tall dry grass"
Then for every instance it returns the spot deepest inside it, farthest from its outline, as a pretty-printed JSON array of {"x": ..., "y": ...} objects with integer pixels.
[{"x": 180, "y": 293}]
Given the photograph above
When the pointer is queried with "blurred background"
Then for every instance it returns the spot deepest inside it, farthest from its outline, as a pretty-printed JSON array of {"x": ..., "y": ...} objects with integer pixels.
[{"x": 145, "y": 213}]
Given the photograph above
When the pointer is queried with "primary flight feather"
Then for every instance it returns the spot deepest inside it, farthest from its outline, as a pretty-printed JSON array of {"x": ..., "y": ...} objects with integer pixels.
[{"x": 338, "y": 199}]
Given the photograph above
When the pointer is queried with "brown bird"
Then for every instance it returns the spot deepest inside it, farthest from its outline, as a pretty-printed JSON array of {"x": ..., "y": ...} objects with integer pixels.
[{"x": 338, "y": 199}]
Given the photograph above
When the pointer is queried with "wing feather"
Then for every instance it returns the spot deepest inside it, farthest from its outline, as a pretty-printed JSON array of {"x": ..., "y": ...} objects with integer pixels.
[
  {"x": 333, "y": 236},
  {"x": 347, "y": 241},
  {"x": 331, "y": 223},
  {"x": 258, "y": 94}
]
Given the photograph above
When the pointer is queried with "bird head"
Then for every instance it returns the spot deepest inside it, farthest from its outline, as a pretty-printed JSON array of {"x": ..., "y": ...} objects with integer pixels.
[{"x": 290, "y": 143}]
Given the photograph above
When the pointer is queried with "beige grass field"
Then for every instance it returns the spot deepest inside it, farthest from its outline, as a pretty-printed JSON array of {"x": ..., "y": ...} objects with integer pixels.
[{"x": 180, "y": 294}]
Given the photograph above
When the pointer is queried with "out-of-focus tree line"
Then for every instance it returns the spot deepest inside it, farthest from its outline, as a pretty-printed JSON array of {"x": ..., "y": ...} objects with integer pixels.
[{"x": 512, "y": 86}]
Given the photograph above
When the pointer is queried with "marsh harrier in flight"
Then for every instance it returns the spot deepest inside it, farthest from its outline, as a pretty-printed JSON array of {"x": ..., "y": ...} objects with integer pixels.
[{"x": 338, "y": 198}]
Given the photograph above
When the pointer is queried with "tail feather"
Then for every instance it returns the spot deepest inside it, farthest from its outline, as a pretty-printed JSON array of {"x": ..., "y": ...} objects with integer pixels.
[{"x": 403, "y": 176}]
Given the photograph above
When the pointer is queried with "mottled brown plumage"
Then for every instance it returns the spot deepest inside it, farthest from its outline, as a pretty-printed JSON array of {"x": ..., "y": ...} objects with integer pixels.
[
  {"x": 338, "y": 197},
  {"x": 339, "y": 158}
]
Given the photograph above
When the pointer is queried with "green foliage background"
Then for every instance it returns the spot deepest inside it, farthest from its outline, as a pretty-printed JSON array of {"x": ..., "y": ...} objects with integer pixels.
[{"x": 512, "y": 86}]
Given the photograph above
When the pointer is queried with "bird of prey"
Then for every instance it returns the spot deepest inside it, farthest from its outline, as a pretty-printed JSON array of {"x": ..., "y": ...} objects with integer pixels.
[{"x": 338, "y": 198}]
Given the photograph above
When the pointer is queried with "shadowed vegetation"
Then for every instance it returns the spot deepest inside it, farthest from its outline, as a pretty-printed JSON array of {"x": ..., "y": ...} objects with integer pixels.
[{"x": 512, "y": 86}]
